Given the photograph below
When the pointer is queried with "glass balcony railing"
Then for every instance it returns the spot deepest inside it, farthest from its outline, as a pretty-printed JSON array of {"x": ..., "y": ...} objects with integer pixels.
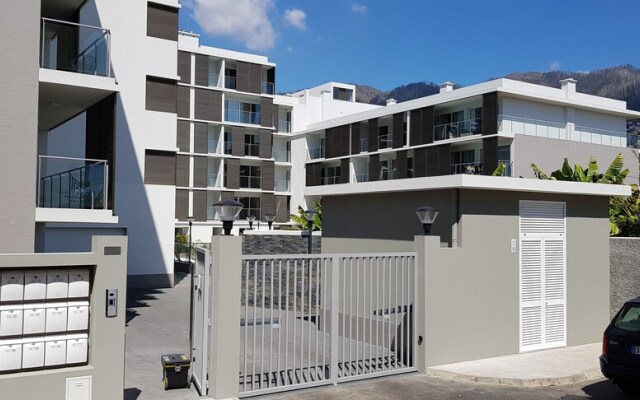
[
  {"x": 330, "y": 180},
  {"x": 214, "y": 181},
  {"x": 282, "y": 155},
  {"x": 282, "y": 185},
  {"x": 363, "y": 177},
  {"x": 284, "y": 126},
  {"x": 633, "y": 140},
  {"x": 472, "y": 168},
  {"x": 243, "y": 117},
  {"x": 315, "y": 152},
  {"x": 78, "y": 183},
  {"x": 214, "y": 79},
  {"x": 230, "y": 82},
  {"x": 268, "y": 88},
  {"x": 364, "y": 144},
  {"x": 67, "y": 46},
  {"x": 457, "y": 129}
]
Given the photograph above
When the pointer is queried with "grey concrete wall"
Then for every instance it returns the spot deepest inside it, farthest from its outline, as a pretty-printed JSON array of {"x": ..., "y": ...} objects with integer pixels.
[
  {"x": 355, "y": 245},
  {"x": 279, "y": 244},
  {"x": 624, "y": 254},
  {"x": 106, "y": 335},
  {"x": 19, "y": 30},
  {"x": 548, "y": 154},
  {"x": 472, "y": 291}
]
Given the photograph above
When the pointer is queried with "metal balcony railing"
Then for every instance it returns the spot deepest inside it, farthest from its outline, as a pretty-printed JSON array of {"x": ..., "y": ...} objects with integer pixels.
[
  {"x": 282, "y": 185},
  {"x": 457, "y": 129},
  {"x": 330, "y": 180},
  {"x": 472, "y": 168},
  {"x": 282, "y": 155},
  {"x": 66, "y": 46},
  {"x": 268, "y": 88},
  {"x": 315, "y": 153},
  {"x": 243, "y": 117},
  {"x": 65, "y": 182}
]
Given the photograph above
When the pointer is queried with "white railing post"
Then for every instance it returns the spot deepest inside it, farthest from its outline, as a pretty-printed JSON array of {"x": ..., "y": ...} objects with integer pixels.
[
  {"x": 224, "y": 339},
  {"x": 335, "y": 304}
]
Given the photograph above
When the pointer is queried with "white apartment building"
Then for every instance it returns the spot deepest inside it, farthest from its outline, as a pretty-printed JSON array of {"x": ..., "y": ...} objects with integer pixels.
[{"x": 128, "y": 127}]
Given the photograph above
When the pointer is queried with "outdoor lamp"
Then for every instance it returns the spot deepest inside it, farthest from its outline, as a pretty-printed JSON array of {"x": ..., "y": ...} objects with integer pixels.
[
  {"x": 309, "y": 215},
  {"x": 250, "y": 219},
  {"x": 228, "y": 211},
  {"x": 427, "y": 215},
  {"x": 270, "y": 218}
]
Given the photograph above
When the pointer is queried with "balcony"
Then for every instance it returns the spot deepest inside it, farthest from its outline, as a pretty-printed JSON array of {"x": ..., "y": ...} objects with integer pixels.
[
  {"x": 268, "y": 88},
  {"x": 243, "y": 117},
  {"x": 282, "y": 185},
  {"x": 284, "y": 126},
  {"x": 78, "y": 48},
  {"x": 214, "y": 181},
  {"x": 330, "y": 180},
  {"x": 214, "y": 79},
  {"x": 218, "y": 147},
  {"x": 471, "y": 168},
  {"x": 457, "y": 129},
  {"x": 315, "y": 153},
  {"x": 363, "y": 177},
  {"x": 230, "y": 82},
  {"x": 282, "y": 155}
]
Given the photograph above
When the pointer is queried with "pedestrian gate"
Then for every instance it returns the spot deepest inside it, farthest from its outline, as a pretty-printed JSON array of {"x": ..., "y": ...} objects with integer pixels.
[{"x": 311, "y": 320}]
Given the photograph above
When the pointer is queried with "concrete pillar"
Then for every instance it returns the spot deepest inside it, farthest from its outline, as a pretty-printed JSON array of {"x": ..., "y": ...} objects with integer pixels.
[
  {"x": 224, "y": 339},
  {"x": 424, "y": 246}
]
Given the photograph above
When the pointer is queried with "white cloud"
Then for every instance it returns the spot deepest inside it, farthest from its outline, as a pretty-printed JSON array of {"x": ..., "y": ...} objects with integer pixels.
[
  {"x": 555, "y": 66},
  {"x": 358, "y": 8},
  {"x": 296, "y": 18},
  {"x": 243, "y": 20},
  {"x": 289, "y": 49}
]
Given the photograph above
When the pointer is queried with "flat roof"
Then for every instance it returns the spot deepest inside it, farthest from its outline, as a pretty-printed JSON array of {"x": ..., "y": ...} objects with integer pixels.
[{"x": 475, "y": 182}]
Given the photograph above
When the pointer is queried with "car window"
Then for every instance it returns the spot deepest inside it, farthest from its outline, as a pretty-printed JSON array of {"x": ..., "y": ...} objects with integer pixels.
[{"x": 629, "y": 319}]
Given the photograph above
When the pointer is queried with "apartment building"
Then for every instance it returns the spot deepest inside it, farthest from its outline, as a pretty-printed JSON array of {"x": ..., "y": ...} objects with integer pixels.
[{"x": 470, "y": 130}]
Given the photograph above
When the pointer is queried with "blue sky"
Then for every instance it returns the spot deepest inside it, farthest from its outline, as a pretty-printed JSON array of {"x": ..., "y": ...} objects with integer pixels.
[{"x": 387, "y": 43}]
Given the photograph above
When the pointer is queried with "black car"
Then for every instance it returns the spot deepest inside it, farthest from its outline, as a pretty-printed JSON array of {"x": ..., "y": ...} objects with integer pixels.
[{"x": 620, "y": 359}]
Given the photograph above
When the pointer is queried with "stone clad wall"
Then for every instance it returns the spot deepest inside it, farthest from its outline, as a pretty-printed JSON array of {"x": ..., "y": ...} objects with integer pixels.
[
  {"x": 279, "y": 244},
  {"x": 624, "y": 255}
]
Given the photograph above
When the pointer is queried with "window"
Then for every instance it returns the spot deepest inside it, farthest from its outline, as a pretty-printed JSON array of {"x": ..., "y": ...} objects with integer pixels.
[
  {"x": 330, "y": 175},
  {"x": 342, "y": 94},
  {"x": 251, "y": 207},
  {"x": 629, "y": 319},
  {"x": 230, "y": 78},
  {"x": 227, "y": 142},
  {"x": 245, "y": 113},
  {"x": 504, "y": 153},
  {"x": 252, "y": 145},
  {"x": 250, "y": 177}
]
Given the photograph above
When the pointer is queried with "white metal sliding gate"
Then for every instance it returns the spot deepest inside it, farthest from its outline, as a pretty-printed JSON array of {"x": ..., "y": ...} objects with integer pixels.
[{"x": 315, "y": 320}]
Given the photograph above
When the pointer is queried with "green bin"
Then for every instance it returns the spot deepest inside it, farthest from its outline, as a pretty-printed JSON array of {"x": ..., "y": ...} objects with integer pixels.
[{"x": 175, "y": 371}]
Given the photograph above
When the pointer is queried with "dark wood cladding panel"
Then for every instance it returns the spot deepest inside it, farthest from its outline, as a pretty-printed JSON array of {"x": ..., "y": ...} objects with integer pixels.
[
  {"x": 345, "y": 170},
  {"x": 282, "y": 210},
  {"x": 184, "y": 66},
  {"x": 237, "y": 141},
  {"x": 329, "y": 143},
  {"x": 490, "y": 113},
  {"x": 444, "y": 159},
  {"x": 489, "y": 155},
  {"x": 233, "y": 173},
  {"x": 162, "y": 21},
  {"x": 420, "y": 162},
  {"x": 373, "y": 134},
  {"x": 200, "y": 172},
  {"x": 200, "y": 205},
  {"x": 255, "y": 78},
  {"x": 415, "y": 127},
  {"x": 160, "y": 95},
  {"x": 201, "y": 106},
  {"x": 355, "y": 138},
  {"x": 200, "y": 138},
  {"x": 265, "y": 144},
  {"x": 202, "y": 70},
  {"x": 312, "y": 172},
  {"x": 374, "y": 167},
  {"x": 345, "y": 140},
  {"x": 401, "y": 165},
  {"x": 267, "y": 204},
  {"x": 432, "y": 161},
  {"x": 182, "y": 204},
  {"x": 215, "y": 101},
  {"x": 243, "y": 72},
  {"x": 427, "y": 125},
  {"x": 183, "y": 135},
  {"x": 227, "y": 196},
  {"x": 182, "y": 171},
  {"x": 268, "y": 175},
  {"x": 184, "y": 104},
  {"x": 159, "y": 167},
  {"x": 268, "y": 112},
  {"x": 398, "y": 124}
]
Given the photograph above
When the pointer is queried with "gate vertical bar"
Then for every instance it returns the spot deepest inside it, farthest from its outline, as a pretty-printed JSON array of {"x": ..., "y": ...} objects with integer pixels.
[{"x": 335, "y": 301}]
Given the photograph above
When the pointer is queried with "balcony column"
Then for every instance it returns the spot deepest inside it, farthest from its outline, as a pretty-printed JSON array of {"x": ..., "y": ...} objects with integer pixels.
[{"x": 570, "y": 125}]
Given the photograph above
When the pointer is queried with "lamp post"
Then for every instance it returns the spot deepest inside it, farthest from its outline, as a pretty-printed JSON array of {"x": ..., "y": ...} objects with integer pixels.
[
  {"x": 309, "y": 215},
  {"x": 270, "y": 217},
  {"x": 250, "y": 219},
  {"x": 427, "y": 215},
  {"x": 227, "y": 211}
]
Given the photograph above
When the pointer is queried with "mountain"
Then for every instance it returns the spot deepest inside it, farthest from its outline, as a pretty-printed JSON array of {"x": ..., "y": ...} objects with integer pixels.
[{"x": 620, "y": 83}]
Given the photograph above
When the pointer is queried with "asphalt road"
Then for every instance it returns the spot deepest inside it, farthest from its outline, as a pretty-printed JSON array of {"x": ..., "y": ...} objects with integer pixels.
[{"x": 421, "y": 387}]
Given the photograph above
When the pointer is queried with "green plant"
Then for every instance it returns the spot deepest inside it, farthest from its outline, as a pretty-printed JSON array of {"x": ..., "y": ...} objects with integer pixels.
[
  {"x": 500, "y": 170},
  {"x": 301, "y": 221}
]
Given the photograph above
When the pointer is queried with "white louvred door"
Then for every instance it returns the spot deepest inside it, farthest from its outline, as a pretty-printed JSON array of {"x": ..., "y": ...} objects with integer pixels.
[{"x": 542, "y": 275}]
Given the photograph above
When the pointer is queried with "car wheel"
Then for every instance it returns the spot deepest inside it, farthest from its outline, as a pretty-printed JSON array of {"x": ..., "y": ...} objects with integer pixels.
[{"x": 629, "y": 387}]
